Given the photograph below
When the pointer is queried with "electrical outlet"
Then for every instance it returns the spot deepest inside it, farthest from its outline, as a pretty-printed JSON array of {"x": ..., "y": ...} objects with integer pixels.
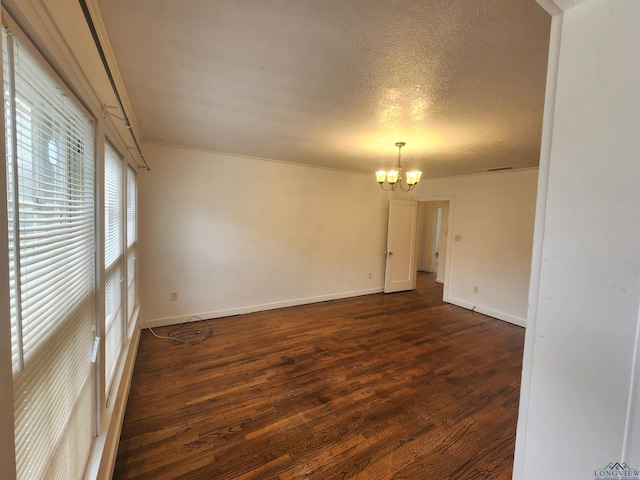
[
  {"x": 370, "y": 275},
  {"x": 457, "y": 238},
  {"x": 476, "y": 289},
  {"x": 174, "y": 296}
]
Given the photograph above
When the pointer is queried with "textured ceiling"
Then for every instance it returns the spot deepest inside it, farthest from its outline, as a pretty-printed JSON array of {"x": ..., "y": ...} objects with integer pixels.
[{"x": 336, "y": 83}]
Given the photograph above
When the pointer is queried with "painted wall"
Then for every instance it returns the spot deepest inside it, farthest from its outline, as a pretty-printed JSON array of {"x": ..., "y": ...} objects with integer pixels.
[
  {"x": 289, "y": 234},
  {"x": 233, "y": 234},
  {"x": 493, "y": 215},
  {"x": 579, "y": 408}
]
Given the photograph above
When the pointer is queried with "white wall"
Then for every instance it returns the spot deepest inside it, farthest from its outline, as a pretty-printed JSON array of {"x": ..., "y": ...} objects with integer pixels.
[
  {"x": 233, "y": 234},
  {"x": 290, "y": 234},
  {"x": 494, "y": 215},
  {"x": 579, "y": 406}
]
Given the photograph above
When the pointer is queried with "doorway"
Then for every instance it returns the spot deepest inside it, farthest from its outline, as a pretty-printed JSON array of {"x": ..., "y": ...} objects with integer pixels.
[
  {"x": 436, "y": 239},
  {"x": 433, "y": 228}
]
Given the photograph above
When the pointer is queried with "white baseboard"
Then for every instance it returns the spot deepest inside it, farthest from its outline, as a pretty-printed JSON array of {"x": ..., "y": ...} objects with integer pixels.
[
  {"x": 521, "y": 322},
  {"x": 160, "y": 322}
]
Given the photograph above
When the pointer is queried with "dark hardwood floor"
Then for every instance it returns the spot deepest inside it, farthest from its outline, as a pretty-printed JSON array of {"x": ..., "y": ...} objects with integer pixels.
[{"x": 396, "y": 386}]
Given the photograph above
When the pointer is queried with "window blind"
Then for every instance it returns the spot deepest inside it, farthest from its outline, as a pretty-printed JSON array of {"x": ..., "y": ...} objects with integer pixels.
[
  {"x": 132, "y": 241},
  {"x": 50, "y": 185},
  {"x": 16, "y": 340},
  {"x": 113, "y": 258}
]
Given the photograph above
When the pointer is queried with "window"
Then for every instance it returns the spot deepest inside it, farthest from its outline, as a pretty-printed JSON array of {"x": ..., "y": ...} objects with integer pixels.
[
  {"x": 132, "y": 243},
  {"x": 50, "y": 185},
  {"x": 113, "y": 258}
]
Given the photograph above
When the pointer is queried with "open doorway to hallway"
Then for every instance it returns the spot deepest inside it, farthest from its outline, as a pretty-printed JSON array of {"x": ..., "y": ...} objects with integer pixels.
[{"x": 433, "y": 220}]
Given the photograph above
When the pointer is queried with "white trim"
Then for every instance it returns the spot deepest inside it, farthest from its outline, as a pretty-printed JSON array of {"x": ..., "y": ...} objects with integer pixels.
[
  {"x": 160, "y": 322},
  {"x": 505, "y": 317},
  {"x": 553, "y": 7}
]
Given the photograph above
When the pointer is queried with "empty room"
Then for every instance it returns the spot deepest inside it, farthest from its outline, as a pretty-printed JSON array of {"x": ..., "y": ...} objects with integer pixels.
[{"x": 320, "y": 239}]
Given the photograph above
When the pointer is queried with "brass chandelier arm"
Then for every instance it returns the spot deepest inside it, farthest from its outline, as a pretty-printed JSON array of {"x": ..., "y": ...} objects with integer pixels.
[{"x": 392, "y": 187}]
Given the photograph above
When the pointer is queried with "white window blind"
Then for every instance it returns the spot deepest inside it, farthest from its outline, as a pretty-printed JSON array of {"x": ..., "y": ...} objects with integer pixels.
[
  {"x": 50, "y": 185},
  {"x": 9, "y": 120},
  {"x": 132, "y": 241},
  {"x": 113, "y": 258}
]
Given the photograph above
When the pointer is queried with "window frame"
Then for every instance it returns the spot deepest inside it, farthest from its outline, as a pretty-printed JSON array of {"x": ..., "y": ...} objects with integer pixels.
[
  {"x": 108, "y": 406},
  {"x": 61, "y": 203}
]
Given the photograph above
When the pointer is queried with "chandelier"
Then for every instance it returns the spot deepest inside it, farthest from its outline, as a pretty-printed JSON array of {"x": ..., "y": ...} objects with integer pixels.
[{"x": 394, "y": 177}]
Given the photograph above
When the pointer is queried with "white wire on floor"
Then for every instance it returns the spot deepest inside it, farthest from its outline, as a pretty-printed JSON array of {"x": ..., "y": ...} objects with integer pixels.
[{"x": 196, "y": 330}]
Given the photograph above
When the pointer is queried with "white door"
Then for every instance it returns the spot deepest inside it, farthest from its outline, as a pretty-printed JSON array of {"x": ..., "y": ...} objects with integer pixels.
[{"x": 400, "y": 273}]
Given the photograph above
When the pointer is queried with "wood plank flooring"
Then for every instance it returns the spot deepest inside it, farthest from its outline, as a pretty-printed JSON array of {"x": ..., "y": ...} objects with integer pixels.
[{"x": 396, "y": 386}]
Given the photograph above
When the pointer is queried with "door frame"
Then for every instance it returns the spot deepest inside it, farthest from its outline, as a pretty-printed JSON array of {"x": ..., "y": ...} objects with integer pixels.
[{"x": 449, "y": 249}]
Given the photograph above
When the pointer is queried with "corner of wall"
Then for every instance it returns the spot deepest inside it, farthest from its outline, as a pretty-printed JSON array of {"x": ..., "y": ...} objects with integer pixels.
[{"x": 538, "y": 237}]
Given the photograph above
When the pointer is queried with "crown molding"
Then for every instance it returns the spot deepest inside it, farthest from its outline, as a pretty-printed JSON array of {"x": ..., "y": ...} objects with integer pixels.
[{"x": 553, "y": 7}]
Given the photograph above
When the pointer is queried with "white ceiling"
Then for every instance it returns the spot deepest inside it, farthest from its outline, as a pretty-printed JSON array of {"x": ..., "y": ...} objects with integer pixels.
[{"x": 335, "y": 83}]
